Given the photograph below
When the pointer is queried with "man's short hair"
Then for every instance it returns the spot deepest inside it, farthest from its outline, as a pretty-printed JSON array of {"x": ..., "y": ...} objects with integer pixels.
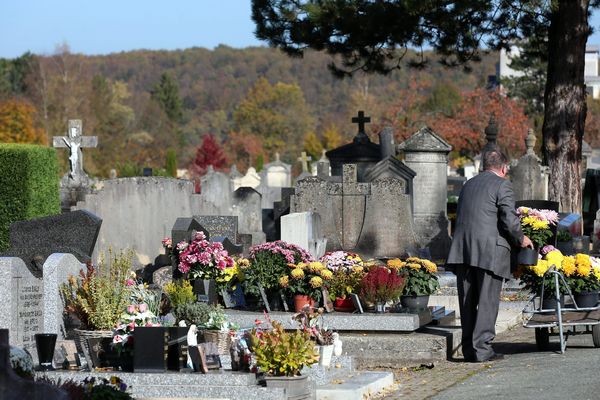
[{"x": 494, "y": 159}]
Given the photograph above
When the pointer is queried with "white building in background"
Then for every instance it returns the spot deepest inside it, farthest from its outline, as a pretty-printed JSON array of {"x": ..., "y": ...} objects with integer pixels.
[{"x": 592, "y": 76}]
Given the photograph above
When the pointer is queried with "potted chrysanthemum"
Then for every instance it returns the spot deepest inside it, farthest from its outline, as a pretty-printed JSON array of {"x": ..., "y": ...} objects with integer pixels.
[
  {"x": 421, "y": 281},
  {"x": 305, "y": 282},
  {"x": 536, "y": 225}
]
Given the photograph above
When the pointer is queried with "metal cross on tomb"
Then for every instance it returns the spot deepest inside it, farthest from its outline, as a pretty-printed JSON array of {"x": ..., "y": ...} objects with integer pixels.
[
  {"x": 75, "y": 142},
  {"x": 361, "y": 120},
  {"x": 304, "y": 159}
]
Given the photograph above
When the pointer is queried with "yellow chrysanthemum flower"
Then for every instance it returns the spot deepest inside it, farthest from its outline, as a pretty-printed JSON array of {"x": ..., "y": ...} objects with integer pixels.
[
  {"x": 395, "y": 263},
  {"x": 568, "y": 265},
  {"x": 326, "y": 274},
  {"x": 596, "y": 272},
  {"x": 243, "y": 263},
  {"x": 357, "y": 269},
  {"x": 413, "y": 260},
  {"x": 584, "y": 270},
  {"x": 582, "y": 259},
  {"x": 414, "y": 265},
  {"x": 297, "y": 273},
  {"x": 540, "y": 268},
  {"x": 555, "y": 257},
  {"x": 429, "y": 266},
  {"x": 315, "y": 266},
  {"x": 284, "y": 281},
  {"x": 316, "y": 282}
]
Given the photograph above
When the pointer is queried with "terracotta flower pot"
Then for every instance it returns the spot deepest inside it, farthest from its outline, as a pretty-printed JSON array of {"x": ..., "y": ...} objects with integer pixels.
[
  {"x": 300, "y": 300},
  {"x": 343, "y": 305}
]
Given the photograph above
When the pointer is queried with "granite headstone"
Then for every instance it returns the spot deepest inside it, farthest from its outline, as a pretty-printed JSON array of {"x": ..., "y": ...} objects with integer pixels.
[{"x": 73, "y": 232}]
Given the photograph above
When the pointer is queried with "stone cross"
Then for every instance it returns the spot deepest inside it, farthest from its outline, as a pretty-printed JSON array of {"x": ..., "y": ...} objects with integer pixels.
[
  {"x": 350, "y": 217},
  {"x": 304, "y": 159},
  {"x": 75, "y": 142}
]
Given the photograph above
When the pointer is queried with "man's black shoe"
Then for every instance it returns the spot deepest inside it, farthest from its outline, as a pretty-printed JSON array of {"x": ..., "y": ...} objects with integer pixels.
[{"x": 493, "y": 357}]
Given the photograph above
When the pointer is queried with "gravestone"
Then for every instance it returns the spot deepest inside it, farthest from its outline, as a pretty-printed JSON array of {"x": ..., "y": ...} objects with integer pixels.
[
  {"x": 427, "y": 154},
  {"x": 217, "y": 187},
  {"x": 251, "y": 179},
  {"x": 277, "y": 173},
  {"x": 218, "y": 225},
  {"x": 75, "y": 184},
  {"x": 529, "y": 178},
  {"x": 247, "y": 207},
  {"x": 32, "y": 304},
  {"x": 373, "y": 218},
  {"x": 362, "y": 151},
  {"x": 304, "y": 229},
  {"x": 304, "y": 159},
  {"x": 391, "y": 167},
  {"x": 185, "y": 228},
  {"x": 73, "y": 232}
]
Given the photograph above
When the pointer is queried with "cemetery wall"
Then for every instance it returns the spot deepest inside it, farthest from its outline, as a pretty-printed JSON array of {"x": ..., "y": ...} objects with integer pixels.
[{"x": 139, "y": 212}]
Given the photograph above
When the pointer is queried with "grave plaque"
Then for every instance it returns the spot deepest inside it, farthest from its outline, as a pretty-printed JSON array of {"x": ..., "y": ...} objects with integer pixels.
[{"x": 219, "y": 225}]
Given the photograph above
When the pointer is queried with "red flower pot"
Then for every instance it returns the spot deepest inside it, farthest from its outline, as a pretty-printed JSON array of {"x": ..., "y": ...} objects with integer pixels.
[
  {"x": 300, "y": 300},
  {"x": 343, "y": 305}
]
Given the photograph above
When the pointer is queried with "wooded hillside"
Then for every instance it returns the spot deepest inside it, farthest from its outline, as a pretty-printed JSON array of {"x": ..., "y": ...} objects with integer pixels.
[{"x": 254, "y": 101}]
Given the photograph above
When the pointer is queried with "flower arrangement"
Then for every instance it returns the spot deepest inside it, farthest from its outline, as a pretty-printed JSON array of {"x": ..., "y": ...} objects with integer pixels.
[
  {"x": 134, "y": 316},
  {"x": 341, "y": 260},
  {"x": 536, "y": 224},
  {"x": 21, "y": 362},
  {"x": 91, "y": 388},
  {"x": 269, "y": 262},
  {"x": 306, "y": 278},
  {"x": 99, "y": 294},
  {"x": 233, "y": 276},
  {"x": 345, "y": 282},
  {"x": 313, "y": 323},
  {"x": 533, "y": 276},
  {"x": 203, "y": 259},
  {"x": 278, "y": 352},
  {"x": 179, "y": 292},
  {"x": 419, "y": 274},
  {"x": 203, "y": 315},
  {"x": 381, "y": 285}
]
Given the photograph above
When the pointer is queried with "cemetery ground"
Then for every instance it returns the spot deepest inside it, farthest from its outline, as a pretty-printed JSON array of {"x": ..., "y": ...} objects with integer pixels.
[{"x": 525, "y": 373}]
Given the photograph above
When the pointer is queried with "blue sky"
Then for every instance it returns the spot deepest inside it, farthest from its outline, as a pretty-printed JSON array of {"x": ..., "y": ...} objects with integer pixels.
[{"x": 102, "y": 27}]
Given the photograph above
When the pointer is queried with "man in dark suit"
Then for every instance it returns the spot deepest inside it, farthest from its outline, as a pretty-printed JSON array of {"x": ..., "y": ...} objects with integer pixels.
[{"x": 486, "y": 228}]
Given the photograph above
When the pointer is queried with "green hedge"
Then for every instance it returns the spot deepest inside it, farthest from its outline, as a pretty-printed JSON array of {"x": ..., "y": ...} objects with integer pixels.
[{"x": 29, "y": 185}]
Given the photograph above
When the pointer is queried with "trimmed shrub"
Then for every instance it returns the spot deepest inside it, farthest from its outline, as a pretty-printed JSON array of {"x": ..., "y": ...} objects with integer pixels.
[{"x": 29, "y": 185}]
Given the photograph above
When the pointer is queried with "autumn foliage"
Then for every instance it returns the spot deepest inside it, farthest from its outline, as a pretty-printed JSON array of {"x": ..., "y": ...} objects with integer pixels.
[
  {"x": 208, "y": 153},
  {"x": 464, "y": 127},
  {"x": 16, "y": 123}
]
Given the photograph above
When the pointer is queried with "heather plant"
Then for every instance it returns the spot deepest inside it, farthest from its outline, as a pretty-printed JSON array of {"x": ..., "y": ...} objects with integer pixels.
[{"x": 381, "y": 285}]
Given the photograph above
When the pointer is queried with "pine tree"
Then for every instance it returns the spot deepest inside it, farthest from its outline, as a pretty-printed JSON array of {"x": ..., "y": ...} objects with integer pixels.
[{"x": 166, "y": 93}]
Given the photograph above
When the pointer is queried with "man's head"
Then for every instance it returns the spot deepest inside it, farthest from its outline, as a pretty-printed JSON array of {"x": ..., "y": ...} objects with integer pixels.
[{"x": 495, "y": 161}]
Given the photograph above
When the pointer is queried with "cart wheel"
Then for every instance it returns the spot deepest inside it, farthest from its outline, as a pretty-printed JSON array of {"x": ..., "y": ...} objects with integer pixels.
[
  {"x": 542, "y": 338},
  {"x": 596, "y": 335}
]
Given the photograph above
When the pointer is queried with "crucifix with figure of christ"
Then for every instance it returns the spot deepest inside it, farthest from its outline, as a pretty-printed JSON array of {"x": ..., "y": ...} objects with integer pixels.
[{"x": 75, "y": 142}]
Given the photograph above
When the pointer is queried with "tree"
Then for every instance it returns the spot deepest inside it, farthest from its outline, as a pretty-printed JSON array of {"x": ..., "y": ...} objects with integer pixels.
[
  {"x": 166, "y": 93},
  {"x": 374, "y": 36},
  {"x": 277, "y": 113},
  {"x": 313, "y": 146},
  {"x": 16, "y": 123},
  {"x": 171, "y": 163},
  {"x": 444, "y": 98},
  {"x": 208, "y": 153},
  {"x": 244, "y": 149}
]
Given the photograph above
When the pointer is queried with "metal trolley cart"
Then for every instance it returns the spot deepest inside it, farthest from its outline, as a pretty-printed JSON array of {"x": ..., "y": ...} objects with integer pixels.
[{"x": 570, "y": 319}]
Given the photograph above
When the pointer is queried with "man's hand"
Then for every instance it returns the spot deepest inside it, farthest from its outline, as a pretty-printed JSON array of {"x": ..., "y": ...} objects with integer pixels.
[{"x": 526, "y": 242}]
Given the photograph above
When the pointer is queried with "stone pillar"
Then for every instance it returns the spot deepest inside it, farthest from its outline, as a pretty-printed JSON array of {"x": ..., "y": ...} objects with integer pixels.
[{"x": 426, "y": 153}]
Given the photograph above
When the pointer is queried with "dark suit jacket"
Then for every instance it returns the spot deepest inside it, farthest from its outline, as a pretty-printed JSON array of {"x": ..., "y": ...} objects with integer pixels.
[{"x": 486, "y": 225}]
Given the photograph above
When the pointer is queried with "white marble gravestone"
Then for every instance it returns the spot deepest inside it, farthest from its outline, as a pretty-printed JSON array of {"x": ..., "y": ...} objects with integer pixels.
[{"x": 304, "y": 229}]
